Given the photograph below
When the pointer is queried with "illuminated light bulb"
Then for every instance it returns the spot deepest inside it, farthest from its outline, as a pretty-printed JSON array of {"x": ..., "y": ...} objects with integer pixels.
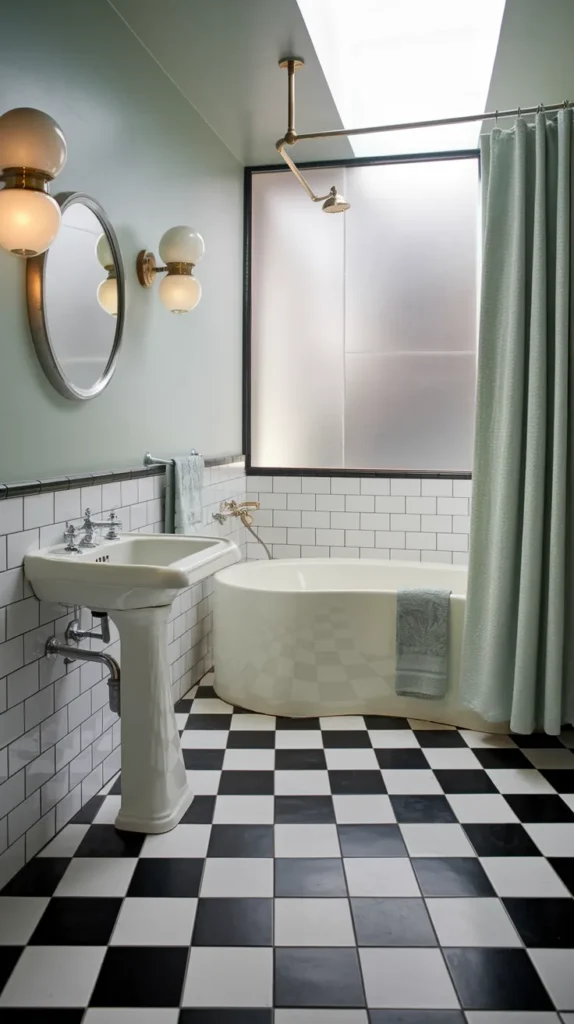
[{"x": 179, "y": 292}]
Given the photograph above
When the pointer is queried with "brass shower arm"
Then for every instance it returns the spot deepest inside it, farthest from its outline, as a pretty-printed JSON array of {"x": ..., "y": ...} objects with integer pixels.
[{"x": 280, "y": 147}]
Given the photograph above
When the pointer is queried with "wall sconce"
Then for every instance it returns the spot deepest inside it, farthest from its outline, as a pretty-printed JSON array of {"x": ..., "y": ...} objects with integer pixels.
[
  {"x": 108, "y": 290},
  {"x": 180, "y": 248},
  {"x": 32, "y": 152}
]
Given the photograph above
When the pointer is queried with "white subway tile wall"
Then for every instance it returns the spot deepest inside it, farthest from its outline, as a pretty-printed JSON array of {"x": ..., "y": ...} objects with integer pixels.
[
  {"x": 341, "y": 517},
  {"x": 59, "y": 742}
]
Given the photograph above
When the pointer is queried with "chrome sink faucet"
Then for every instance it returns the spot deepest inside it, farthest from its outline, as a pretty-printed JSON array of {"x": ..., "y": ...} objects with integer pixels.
[{"x": 89, "y": 525}]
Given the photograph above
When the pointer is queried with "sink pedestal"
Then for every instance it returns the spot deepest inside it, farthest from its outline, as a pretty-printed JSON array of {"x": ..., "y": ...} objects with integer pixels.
[{"x": 155, "y": 791}]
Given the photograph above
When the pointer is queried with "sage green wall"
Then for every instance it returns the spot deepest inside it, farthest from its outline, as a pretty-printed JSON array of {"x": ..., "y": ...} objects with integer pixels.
[{"x": 143, "y": 151}]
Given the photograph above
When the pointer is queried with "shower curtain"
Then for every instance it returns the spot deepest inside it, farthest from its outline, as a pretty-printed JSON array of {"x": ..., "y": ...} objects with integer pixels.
[{"x": 518, "y": 654}]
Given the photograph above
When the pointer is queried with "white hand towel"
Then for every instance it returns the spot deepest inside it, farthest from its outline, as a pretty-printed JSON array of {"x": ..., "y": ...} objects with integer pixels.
[{"x": 188, "y": 485}]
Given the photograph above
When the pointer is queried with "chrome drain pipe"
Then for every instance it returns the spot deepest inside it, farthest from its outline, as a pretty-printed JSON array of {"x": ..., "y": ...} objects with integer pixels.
[{"x": 70, "y": 654}]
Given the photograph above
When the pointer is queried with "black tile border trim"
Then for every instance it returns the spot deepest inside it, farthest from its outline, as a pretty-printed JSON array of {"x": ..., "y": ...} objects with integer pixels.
[{"x": 66, "y": 483}]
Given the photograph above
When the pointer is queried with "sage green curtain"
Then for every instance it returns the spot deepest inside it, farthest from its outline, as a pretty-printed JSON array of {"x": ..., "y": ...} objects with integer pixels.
[{"x": 518, "y": 662}]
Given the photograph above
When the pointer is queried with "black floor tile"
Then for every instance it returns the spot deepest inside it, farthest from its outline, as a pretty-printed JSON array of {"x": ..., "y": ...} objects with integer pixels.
[
  {"x": 87, "y": 813},
  {"x": 416, "y": 1017},
  {"x": 562, "y": 779},
  {"x": 233, "y": 922},
  {"x": 300, "y": 760},
  {"x": 356, "y": 781},
  {"x": 564, "y": 868},
  {"x": 200, "y": 811},
  {"x": 392, "y": 922},
  {"x": 536, "y": 741},
  {"x": 548, "y": 923},
  {"x": 503, "y": 840},
  {"x": 241, "y": 841},
  {"x": 304, "y": 810},
  {"x": 183, "y": 706},
  {"x": 467, "y": 781},
  {"x": 502, "y": 757},
  {"x": 296, "y": 723},
  {"x": 371, "y": 841},
  {"x": 401, "y": 758},
  {"x": 40, "y": 877},
  {"x": 117, "y": 787},
  {"x": 451, "y": 876},
  {"x": 203, "y": 760},
  {"x": 206, "y": 691},
  {"x": 141, "y": 976},
  {"x": 318, "y": 977},
  {"x": 385, "y": 722},
  {"x": 496, "y": 979},
  {"x": 77, "y": 921},
  {"x": 216, "y": 722},
  {"x": 8, "y": 961},
  {"x": 166, "y": 876},
  {"x": 542, "y": 808},
  {"x": 106, "y": 841},
  {"x": 439, "y": 738},
  {"x": 339, "y": 738},
  {"x": 244, "y": 739},
  {"x": 416, "y": 810},
  {"x": 250, "y": 1016},
  {"x": 309, "y": 877},
  {"x": 246, "y": 783}
]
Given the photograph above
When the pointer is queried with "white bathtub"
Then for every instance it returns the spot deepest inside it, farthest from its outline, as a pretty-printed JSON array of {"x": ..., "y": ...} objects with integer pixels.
[{"x": 317, "y": 637}]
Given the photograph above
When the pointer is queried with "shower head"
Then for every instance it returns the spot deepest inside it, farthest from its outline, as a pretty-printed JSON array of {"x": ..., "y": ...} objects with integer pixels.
[{"x": 335, "y": 203}]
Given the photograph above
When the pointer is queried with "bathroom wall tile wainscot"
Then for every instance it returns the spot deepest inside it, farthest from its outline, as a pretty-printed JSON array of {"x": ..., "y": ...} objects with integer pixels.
[
  {"x": 59, "y": 741},
  {"x": 362, "y": 517}
]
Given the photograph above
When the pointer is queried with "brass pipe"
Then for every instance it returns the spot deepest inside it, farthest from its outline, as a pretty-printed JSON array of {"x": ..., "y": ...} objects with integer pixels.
[{"x": 280, "y": 147}]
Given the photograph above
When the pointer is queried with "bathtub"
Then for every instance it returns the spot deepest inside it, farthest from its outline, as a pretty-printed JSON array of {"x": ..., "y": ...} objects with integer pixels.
[{"x": 315, "y": 637}]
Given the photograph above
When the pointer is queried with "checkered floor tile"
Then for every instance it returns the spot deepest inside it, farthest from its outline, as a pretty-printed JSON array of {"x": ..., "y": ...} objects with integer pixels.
[{"x": 329, "y": 871}]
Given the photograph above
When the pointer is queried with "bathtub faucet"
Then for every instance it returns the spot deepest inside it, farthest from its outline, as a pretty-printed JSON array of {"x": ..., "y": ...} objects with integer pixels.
[{"x": 238, "y": 509}]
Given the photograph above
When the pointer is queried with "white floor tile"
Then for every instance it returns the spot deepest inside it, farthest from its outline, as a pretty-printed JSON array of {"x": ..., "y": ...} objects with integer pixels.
[
  {"x": 380, "y": 876},
  {"x": 436, "y": 841},
  {"x": 203, "y": 783},
  {"x": 401, "y": 978},
  {"x": 249, "y": 760},
  {"x": 512, "y": 1017},
  {"x": 340, "y": 722},
  {"x": 313, "y": 922},
  {"x": 523, "y": 876},
  {"x": 556, "y": 968},
  {"x": 451, "y": 757},
  {"x": 182, "y": 841},
  {"x": 66, "y": 843},
  {"x": 19, "y": 916},
  {"x": 110, "y": 783},
  {"x": 553, "y": 840},
  {"x": 519, "y": 780},
  {"x": 321, "y": 1017},
  {"x": 481, "y": 808},
  {"x": 97, "y": 876},
  {"x": 181, "y": 719},
  {"x": 244, "y": 810},
  {"x": 204, "y": 739},
  {"x": 568, "y": 799},
  {"x": 154, "y": 922},
  {"x": 363, "y": 809},
  {"x": 306, "y": 841},
  {"x": 297, "y": 739},
  {"x": 415, "y": 782},
  {"x": 472, "y": 922},
  {"x": 108, "y": 812},
  {"x": 418, "y": 723},
  {"x": 550, "y": 757},
  {"x": 132, "y": 1015},
  {"x": 351, "y": 759},
  {"x": 253, "y": 722},
  {"x": 223, "y": 976},
  {"x": 49, "y": 976},
  {"x": 309, "y": 783},
  {"x": 237, "y": 876},
  {"x": 385, "y": 739},
  {"x": 486, "y": 740},
  {"x": 210, "y": 706}
]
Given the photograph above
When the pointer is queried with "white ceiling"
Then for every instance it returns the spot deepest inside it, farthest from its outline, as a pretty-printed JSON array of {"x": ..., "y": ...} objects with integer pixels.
[{"x": 222, "y": 55}]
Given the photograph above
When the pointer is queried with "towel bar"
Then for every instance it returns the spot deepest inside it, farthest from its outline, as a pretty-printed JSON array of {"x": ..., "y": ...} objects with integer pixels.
[{"x": 148, "y": 459}]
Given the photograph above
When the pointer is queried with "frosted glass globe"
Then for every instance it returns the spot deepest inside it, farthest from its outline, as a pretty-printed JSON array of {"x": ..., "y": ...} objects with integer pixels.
[
  {"x": 181, "y": 245},
  {"x": 179, "y": 292},
  {"x": 30, "y": 138},
  {"x": 103, "y": 252},
  {"x": 108, "y": 296},
  {"x": 29, "y": 221}
]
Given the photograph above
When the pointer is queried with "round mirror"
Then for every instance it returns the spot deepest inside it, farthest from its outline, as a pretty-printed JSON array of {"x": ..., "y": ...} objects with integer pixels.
[{"x": 76, "y": 300}]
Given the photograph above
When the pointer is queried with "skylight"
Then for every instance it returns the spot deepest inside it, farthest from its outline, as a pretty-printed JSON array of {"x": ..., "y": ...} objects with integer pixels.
[{"x": 389, "y": 61}]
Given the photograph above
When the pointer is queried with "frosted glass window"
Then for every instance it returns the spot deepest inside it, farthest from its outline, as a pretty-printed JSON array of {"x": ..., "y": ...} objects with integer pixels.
[{"x": 364, "y": 323}]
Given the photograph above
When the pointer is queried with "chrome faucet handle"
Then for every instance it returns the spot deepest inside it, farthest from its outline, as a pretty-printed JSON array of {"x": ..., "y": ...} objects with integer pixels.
[
  {"x": 88, "y": 527},
  {"x": 114, "y": 524},
  {"x": 70, "y": 534}
]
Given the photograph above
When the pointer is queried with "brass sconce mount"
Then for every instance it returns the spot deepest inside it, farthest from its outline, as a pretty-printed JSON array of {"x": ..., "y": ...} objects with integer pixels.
[{"x": 147, "y": 268}]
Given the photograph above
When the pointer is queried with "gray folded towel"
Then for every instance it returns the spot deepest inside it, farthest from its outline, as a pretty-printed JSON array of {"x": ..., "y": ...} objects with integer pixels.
[
  {"x": 422, "y": 643},
  {"x": 183, "y": 487}
]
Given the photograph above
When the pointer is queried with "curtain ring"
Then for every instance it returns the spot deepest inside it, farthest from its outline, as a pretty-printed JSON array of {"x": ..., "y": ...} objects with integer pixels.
[
  {"x": 540, "y": 109},
  {"x": 496, "y": 118},
  {"x": 519, "y": 112}
]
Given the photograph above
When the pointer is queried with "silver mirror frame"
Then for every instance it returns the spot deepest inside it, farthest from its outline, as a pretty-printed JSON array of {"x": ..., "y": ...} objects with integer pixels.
[{"x": 35, "y": 295}]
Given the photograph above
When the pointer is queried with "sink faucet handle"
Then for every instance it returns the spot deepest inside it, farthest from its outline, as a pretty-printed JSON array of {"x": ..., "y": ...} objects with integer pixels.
[
  {"x": 114, "y": 524},
  {"x": 70, "y": 534}
]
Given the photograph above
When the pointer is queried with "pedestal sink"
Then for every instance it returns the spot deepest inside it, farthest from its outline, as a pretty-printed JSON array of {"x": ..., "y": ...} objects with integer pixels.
[{"x": 135, "y": 579}]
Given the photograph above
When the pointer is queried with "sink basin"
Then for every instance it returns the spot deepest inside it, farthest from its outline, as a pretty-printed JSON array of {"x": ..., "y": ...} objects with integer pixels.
[
  {"x": 135, "y": 579},
  {"x": 136, "y": 571}
]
